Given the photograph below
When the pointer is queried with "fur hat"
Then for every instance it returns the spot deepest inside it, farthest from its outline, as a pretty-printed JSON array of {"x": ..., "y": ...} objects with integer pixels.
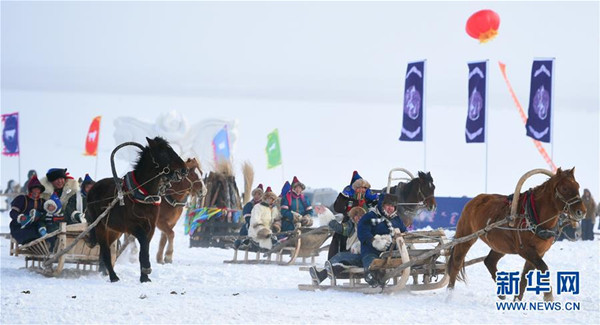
[
  {"x": 35, "y": 182},
  {"x": 259, "y": 188},
  {"x": 56, "y": 173},
  {"x": 296, "y": 182},
  {"x": 286, "y": 188},
  {"x": 357, "y": 181},
  {"x": 389, "y": 199},
  {"x": 356, "y": 212},
  {"x": 269, "y": 194}
]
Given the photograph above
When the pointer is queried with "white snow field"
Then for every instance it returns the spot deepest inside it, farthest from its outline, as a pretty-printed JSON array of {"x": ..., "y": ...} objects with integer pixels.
[{"x": 199, "y": 288}]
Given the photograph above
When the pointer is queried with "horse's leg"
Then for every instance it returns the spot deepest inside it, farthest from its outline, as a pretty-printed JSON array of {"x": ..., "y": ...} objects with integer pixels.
[
  {"x": 455, "y": 267},
  {"x": 106, "y": 258},
  {"x": 491, "y": 262},
  {"x": 170, "y": 246},
  {"x": 161, "y": 248},
  {"x": 144, "y": 256},
  {"x": 532, "y": 261}
]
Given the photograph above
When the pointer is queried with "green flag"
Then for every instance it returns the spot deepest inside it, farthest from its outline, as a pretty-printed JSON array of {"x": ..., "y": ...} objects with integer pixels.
[{"x": 273, "y": 150}]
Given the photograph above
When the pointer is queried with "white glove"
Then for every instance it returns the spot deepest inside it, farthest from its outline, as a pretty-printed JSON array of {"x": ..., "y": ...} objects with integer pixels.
[
  {"x": 355, "y": 249},
  {"x": 382, "y": 242}
]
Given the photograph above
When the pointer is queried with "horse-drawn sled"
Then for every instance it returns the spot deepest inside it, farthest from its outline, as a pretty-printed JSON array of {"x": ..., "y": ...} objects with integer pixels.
[
  {"x": 518, "y": 226},
  {"x": 301, "y": 243}
]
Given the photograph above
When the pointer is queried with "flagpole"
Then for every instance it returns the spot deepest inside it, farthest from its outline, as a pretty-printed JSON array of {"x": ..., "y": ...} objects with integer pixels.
[
  {"x": 487, "y": 112},
  {"x": 424, "y": 119},
  {"x": 552, "y": 79},
  {"x": 20, "y": 166}
]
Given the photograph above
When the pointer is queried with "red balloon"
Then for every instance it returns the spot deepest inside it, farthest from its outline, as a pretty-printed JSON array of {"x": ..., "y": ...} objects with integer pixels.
[{"x": 483, "y": 25}]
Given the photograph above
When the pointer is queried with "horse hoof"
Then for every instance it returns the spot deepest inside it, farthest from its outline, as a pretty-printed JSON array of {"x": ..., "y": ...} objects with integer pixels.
[
  {"x": 168, "y": 260},
  {"x": 144, "y": 278},
  {"x": 501, "y": 297},
  {"x": 548, "y": 297},
  {"x": 160, "y": 261},
  {"x": 115, "y": 279},
  {"x": 146, "y": 270}
]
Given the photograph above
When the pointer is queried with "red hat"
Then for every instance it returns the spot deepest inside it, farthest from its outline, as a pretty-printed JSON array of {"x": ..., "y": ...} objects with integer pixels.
[
  {"x": 35, "y": 182},
  {"x": 258, "y": 188},
  {"x": 296, "y": 182},
  {"x": 269, "y": 194}
]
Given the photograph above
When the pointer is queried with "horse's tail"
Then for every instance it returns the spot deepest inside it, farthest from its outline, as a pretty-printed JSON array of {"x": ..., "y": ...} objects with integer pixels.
[
  {"x": 461, "y": 275},
  {"x": 248, "y": 173}
]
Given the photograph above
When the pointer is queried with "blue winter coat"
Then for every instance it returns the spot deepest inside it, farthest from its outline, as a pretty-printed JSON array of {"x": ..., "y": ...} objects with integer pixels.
[
  {"x": 374, "y": 223},
  {"x": 23, "y": 205},
  {"x": 293, "y": 202},
  {"x": 247, "y": 212}
]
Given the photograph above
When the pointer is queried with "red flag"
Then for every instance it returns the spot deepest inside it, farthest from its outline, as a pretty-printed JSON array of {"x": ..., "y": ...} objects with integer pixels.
[{"x": 91, "y": 141}]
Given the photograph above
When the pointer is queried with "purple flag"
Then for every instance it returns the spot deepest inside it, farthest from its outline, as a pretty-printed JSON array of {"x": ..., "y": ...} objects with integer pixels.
[
  {"x": 412, "y": 118},
  {"x": 540, "y": 101},
  {"x": 10, "y": 134},
  {"x": 475, "y": 129}
]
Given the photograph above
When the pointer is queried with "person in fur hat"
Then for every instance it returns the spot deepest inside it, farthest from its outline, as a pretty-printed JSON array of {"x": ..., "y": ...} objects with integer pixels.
[
  {"x": 75, "y": 209},
  {"x": 58, "y": 181},
  {"x": 262, "y": 217},
  {"x": 295, "y": 208},
  {"x": 376, "y": 230},
  {"x": 335, "y": 265},
  {"x": 257, "y": 194},
  {"x": 357, "y": 194},
  {"x": 26, "y": 212}
]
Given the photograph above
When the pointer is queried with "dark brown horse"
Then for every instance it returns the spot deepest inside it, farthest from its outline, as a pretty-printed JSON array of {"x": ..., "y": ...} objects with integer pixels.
[
  {"x": 174, "y": 201},
  {"x": 414, "y": 196},
  {"x": 156, "y": 167},
  {"x": 533, "y": 232}
]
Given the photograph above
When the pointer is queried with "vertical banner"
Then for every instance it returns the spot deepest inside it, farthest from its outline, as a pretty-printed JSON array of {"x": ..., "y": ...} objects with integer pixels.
[
  {"x": 412, "y": 117},
  {"x": 540, "y": 101},
  {"x": 220, "y": 145},
  {"x": 10, "y": 134},
  {"x": 273, "y": 149},
  {"x": 475, "y": 129},
  {"x": 93, "y": 136}
]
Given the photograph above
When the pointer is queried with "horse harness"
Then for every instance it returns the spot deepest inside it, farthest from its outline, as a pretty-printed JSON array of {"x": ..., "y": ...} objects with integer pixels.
[
  {"x": 531, "y": 221},
  {"x": 137, "y": 193}
]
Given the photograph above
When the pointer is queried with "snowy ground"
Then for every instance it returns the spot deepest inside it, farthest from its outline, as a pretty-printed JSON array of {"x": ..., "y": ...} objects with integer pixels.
[{"x": 199, "y": 288}]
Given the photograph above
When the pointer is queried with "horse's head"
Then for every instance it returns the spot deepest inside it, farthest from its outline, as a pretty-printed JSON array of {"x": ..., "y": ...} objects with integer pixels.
[
  {"x": 566, "y": 194},
  {"x": 164, "y": 159},
  {"x": 423, "y": 190},
  {"x": 194, "y": 178}
]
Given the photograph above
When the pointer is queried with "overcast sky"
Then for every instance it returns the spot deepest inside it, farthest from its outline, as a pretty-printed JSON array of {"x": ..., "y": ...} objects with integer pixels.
[{"x": 312, "y": 52}]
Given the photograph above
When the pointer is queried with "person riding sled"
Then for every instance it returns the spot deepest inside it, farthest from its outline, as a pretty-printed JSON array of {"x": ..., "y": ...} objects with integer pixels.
[
  {"x": 262, "y": 219},
  {"x": 376, "y": 230},
  {"x": 357, "y": 194},
  {"x": 342, "y": 260},
  {"x": 296, "y": 209},
  {"x": 26, "y": 213}
]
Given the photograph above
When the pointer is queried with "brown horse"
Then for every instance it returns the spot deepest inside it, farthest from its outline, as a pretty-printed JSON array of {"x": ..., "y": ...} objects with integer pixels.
[
  {"x": 172, "y": 206},
  {"x": 530, "y": 237},
  {"x": 156, "y": 167}
]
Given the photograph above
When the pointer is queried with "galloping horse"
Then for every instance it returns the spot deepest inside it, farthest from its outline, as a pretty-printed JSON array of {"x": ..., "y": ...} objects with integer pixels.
[
  {"x": 157, "y": 166},
  {"x": 413, "y": 196},
  {"x": 172, "y": 206},
  {"x": 531, "y": 236}
]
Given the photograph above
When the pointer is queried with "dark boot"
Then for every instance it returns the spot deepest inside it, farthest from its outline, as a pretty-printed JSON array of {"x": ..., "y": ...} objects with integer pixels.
[{"x": 317, "y": 276}]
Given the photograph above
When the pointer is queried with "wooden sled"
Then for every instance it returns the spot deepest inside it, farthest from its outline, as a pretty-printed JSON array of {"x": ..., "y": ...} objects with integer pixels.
[
  {"x": 428, "y": 274},
  {"x": 39, "y": 251},
  {"x": 304, "y": 243}
]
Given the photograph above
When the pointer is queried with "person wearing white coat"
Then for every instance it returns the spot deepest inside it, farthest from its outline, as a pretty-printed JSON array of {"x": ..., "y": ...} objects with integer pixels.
[{"x": 261, "y": 220}]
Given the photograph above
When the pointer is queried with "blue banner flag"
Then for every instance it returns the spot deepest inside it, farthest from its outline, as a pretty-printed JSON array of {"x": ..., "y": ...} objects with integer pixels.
[
  {"x": 412, "y": 118},
  {"x": 220, "y": 145},
  {"x": 10, "y": 134},
  {"x": 540, "y": 101},
  {"x": 475, "y": 129}
]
